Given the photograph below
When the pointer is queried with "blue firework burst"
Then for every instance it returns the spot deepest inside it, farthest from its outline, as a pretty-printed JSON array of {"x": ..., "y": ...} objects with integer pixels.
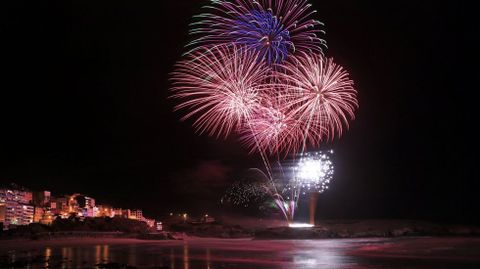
[{"x": 263, "y": 32}]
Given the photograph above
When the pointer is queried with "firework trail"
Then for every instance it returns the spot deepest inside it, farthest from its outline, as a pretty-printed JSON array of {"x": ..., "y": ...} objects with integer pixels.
[{"x": 274, "y": 29}]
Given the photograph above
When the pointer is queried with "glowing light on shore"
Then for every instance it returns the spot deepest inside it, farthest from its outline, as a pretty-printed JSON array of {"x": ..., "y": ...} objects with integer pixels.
[{"x": 300, "y": 225}]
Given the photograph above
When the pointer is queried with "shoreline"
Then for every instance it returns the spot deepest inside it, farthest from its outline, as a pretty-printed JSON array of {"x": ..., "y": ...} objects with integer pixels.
[{"x": 327, "y": 229}]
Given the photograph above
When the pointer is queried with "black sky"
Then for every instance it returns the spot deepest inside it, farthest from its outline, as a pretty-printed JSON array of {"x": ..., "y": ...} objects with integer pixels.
[{"x": 84, "y": 108}]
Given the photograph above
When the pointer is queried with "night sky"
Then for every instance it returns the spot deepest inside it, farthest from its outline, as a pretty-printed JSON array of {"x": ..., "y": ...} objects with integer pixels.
[{"x": 84, "y": 108}]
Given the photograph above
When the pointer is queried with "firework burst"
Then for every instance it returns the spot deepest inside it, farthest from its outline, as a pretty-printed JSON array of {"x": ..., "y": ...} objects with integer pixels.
[
  {"x": 313, "y": 172},
  {"x": 320, "y": 94},
  {"x": 220, "y": 87},
  {"x": 274, "y": 129},
  {"x": 256, "y": 68},
  {"x": 245, "y": 193},
  {"x": 270, "y": 129},
  {"x": 272, "y": 28}
]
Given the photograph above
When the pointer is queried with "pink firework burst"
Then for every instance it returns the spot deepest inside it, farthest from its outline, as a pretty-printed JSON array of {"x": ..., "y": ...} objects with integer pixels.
[
  {"x": 320, "y": 94},
  {"x": 269, "y": 129},
  {"x": 219, "y": 87},
  {"x": 273, "y": 128},
  {"x": 274, "y": 29}
]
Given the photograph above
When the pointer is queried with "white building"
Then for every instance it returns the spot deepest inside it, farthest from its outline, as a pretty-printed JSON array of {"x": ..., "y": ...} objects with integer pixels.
[
  {"x": 159, "y": 226},
  {"x": 134, "y": 214},
  {"x": 89, "y": 202},
  {"x": 16, "y": 207}
]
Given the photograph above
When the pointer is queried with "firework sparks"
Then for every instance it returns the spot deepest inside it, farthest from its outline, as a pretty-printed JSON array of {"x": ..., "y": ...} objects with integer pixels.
[
  {"x": 251, "y": 189},
  {"x": 271, "y": 128},
  {"x": 220, "y": 87},
  {"x": 274, "y": 129},
  {"x": 256, "y": 68},
  {"x": 273, "y": 28},
  {"x": 320, "y": 94},
  {"x": 245, "y": 193},
  {"x": 263, "y": 32},
  {"x": 313, "y": 172}
]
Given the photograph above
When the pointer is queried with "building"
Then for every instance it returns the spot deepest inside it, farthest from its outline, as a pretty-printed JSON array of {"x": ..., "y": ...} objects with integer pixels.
[
  {"x": 123, "y": 213},
  {"x": 135, "y": 214},
  {"x": 18, "y": 214},
  {"x": 150, "y": 222},
  {"x": 88, "y": 212},
  {"x": 43, "y": 215},
  {"x": 27, "y": 197},
  {"x": 89, "y": 202},
  {"x": 38, "y": 214},
  {"x": 105, "y": 211},
  {"x": 53, "y": 205},
  {"x": 159, "y": 226},
  {"x": 19, "y": 206},
  {"x": 24, "y": 214},
  {"x": 47, "y": 217},
  {"x": 118, "y": 212},
  {"x": 2, "y": 212},
  {"x": 207, "y": 219},
  {"x": 19, "y": 196},
  {"x": 16, "y": 207},
  {"x": 73, "y": 203},
  {"x": 41, "y": 198},
  {"x": 95, "y": 211},
  {"x": 59, "y": 206}
]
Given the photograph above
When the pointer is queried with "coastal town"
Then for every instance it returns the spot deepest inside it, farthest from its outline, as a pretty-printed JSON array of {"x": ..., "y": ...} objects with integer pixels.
[{"x": 21, "y": 206}]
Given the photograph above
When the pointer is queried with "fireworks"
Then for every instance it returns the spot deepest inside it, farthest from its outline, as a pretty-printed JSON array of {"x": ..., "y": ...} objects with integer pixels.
[
  {"x": 272, "y": 28},
  {"x": 277, "y": 109},
  {"x": 271, "y": 129},
  {"x": 263, "y": 32},
  {"x": 250, "y": 190},
  {"x": 311, "y": 100},
  {"x": 320, "y": 93},
  {"x": 244, "y": 193},
  {"x": 220, "y": 87},
  {"x": 313, "y": 172},
  {"x": 256, "y": 69}
]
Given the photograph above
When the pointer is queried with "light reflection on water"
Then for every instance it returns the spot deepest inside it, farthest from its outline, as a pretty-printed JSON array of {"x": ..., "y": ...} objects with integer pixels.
[
  {"x": 216, "y": 254},
  {"x": 186, "y": 258},
  {"x": 48, "y": 254}
]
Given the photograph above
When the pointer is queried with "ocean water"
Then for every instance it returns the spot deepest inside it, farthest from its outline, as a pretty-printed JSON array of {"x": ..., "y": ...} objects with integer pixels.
[{"x": 426, "y": 252}]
